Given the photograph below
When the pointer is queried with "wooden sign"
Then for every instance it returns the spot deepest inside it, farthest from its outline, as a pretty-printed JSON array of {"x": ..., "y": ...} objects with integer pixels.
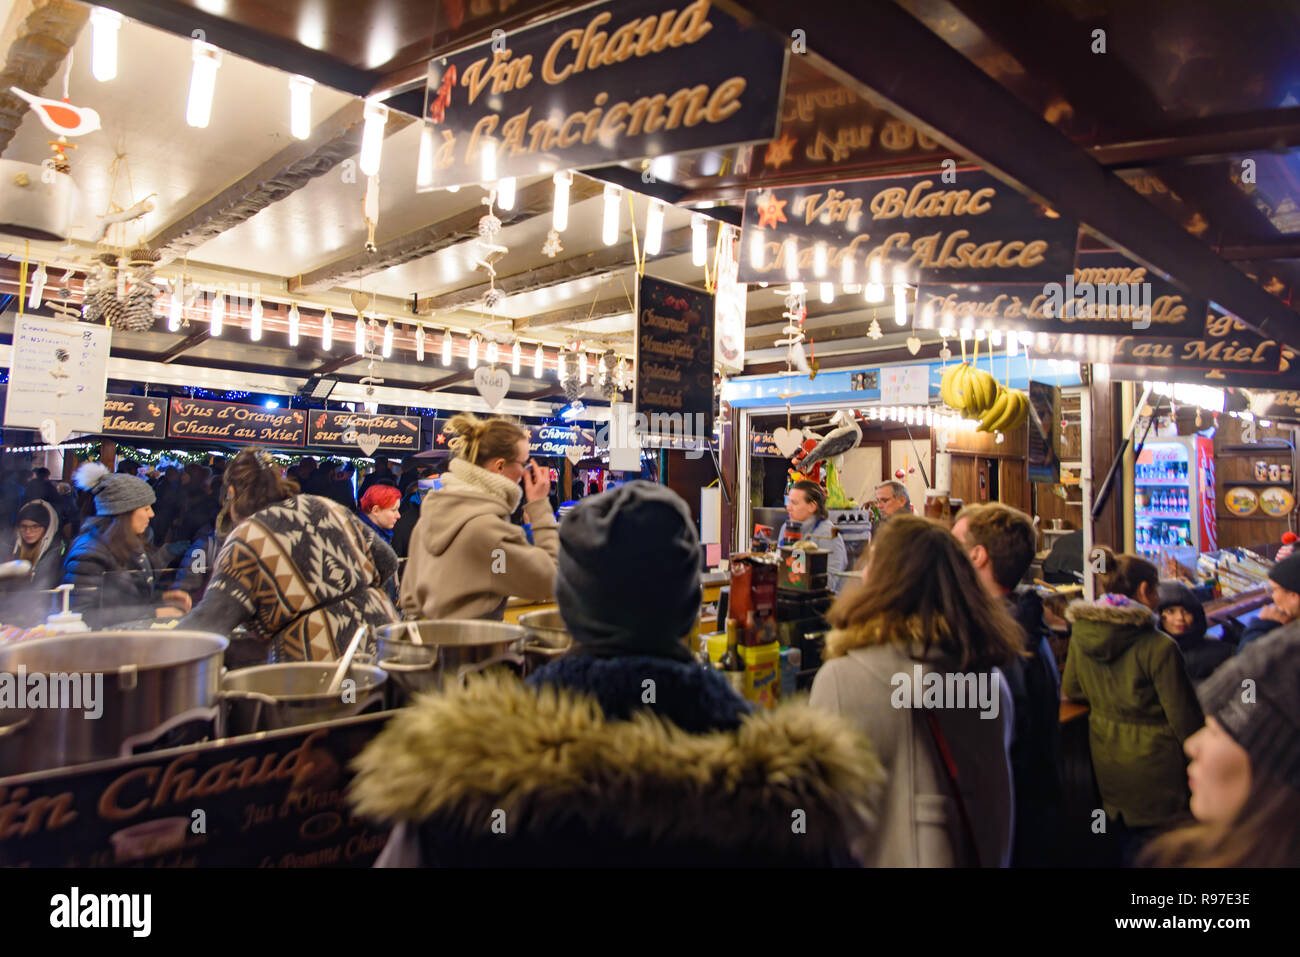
[
  {"x": 1229, "y": 354},
  {"x": 914, "y": 228},
  {"x": 674, "y": 360},
  {"x": 340, "y": 429},
  {"x": 135, "y": 416},
  {"x": 237, "y": 424},
  {"x": 611, "y": 82}
]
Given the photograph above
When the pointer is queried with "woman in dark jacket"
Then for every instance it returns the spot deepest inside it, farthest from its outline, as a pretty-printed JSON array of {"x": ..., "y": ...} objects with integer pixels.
[
  {"x": 39, "y": 541},
  {"x": 625, "y": 752},
  {"x": 1183, "y": 619},
  {"x": 109, "y": 563}
]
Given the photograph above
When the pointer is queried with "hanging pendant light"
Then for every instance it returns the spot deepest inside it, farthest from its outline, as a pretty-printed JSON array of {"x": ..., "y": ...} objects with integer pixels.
[
  {"x": 388, "y": 339},
  {"x": 514, "y": 359},
  {"x": 294, "y": 319},
  {"x": 560, "y": 214},
  {"x": 255, "y": 321},
  {"x": 419, "y": 343},
  {"x": 218, "y": 314},
  {"x": 473, "y": 352},
  {"x": 539, "y": 360},
  {"x": 493, "y": 354},
  {"x": 446, "y": 347}
]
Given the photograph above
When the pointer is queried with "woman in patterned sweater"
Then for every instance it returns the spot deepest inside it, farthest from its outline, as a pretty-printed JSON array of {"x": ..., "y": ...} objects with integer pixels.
[{"x": 299, "y": 571}]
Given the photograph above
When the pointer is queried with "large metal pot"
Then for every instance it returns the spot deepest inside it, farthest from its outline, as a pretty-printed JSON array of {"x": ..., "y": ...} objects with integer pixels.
[
  {"x": 420, "y": 655},
  {"x": 547, "y": 638},
  {"x": 134, "y": 691},
  {"x": 270, "y": 697}
]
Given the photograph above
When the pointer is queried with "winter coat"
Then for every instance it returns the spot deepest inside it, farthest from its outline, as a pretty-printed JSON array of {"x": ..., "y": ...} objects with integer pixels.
[
  {"x": 303, "y": 574},
  {"x": 1257, "y": 629},
  {"x": 921, "y": 824},
  {"x": 827, "y": 536},
  {"x": 1201, "y": 654},
  {"x": 406, "y": 520},
  {"x": 576, "y": 771},
  {"x": 21, "y": 600},
  {"x": 466, "y": 558},
  {"x": 107, "y": 591},
  {"x": 1142, "y": 707},
  {"x": 1036, "y": 739}
]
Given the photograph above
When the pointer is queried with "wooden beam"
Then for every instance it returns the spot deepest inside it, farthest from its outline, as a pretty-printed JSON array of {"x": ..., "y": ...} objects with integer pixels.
[
  {"x": 463, "y": 376},
  {"x": 334, "y": 365},
  {"x": 564, "y": 317},
  {"x": 185, "y": 345},
  {"x": 331, "y": 142},
  {"x": 35, "y": 52},
  {"x": 535, "y": 200},
  {"x": 579, "y": 267}
]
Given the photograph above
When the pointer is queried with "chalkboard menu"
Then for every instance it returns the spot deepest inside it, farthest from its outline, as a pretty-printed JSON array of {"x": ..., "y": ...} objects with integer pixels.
[
  {"x": 342, "y": 429},
  {"x": 238, "y": 424},
  {"x": 674, "y": 359},
  {"x": 135, "y": 416},
  {"x": 271, "y": 800}
]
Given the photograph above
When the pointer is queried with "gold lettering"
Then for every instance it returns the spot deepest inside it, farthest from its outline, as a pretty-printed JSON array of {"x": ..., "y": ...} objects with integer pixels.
[
  {"x": 549, "y": 74},
  {"x": 110, "y": 809},
  {"x": 725, "y": 99}
]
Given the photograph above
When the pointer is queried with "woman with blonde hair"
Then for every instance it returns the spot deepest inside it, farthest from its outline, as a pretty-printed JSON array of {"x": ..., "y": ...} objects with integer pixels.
[
  {"x": 466, "y": 557},
  {"x": 914, "y": 661}
]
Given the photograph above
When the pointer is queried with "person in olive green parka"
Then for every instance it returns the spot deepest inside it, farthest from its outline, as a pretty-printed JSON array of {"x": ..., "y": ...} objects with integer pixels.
[{"x": 1142, "y": 705}]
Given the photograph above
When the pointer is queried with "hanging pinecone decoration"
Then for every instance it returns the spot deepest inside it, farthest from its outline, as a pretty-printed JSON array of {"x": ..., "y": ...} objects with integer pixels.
[
  {"x": 101, "y": 289},
  {"x": 138, "y": 307},
  {"x": 609, "y": 386},
  {"x": 572, "y": 384}
]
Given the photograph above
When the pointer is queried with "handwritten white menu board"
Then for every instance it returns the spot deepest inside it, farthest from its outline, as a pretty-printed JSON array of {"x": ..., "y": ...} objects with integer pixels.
[
  {"x": 905, "y": 385},
  {"x": 58, "y": 377}
]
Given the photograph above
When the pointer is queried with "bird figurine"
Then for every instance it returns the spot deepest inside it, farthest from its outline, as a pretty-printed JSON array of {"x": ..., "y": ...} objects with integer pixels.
[
  {"x": 846, "y": 435},
  {"x": 60, "y": 116}
]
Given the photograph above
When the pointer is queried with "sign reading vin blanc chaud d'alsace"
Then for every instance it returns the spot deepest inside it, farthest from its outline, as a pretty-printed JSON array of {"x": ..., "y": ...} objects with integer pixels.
[
  {"x": 135, "y": 416},
  {"x": 611, "y": 82},
  {"x": 910, "y": 229}
]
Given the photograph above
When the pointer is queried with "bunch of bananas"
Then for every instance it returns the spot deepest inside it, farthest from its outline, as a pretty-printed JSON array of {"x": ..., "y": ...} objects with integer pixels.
[
  {"x": 968, "y": 390},
  {"x": 1009, "y": 411}
]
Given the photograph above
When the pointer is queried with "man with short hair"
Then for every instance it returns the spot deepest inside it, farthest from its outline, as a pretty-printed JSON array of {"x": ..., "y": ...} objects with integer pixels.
[
  {"x": 891, "y": 498},
  {"x": 1001, "y": 542}
]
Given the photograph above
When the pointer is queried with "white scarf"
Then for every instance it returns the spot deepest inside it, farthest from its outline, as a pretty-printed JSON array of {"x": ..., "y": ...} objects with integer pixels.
[{"x": 499, "y": 487}]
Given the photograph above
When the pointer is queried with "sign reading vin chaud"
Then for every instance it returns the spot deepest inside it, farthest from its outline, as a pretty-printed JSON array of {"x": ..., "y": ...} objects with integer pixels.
[
  {"x": 611, "y": 82},
  {"x": 913, "y": 228}
]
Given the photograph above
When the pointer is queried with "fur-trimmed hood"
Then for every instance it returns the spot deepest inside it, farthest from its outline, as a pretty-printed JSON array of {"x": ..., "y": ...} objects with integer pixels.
[
  {"x": 555, "y": 764},
  {"x": 1104, "y": 631}
]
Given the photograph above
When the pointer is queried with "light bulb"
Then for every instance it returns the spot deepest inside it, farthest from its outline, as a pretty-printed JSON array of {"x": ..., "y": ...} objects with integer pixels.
[
  {"x": 756, "y": 248},
  {"x": 791, "y": 260},
  {"x": 372, "y": 137},
  {"x": 514, "y": 360},
  {"x": 612, "y": 195},
  {"x": 419, "y": 343},
  {"x": 493, "y": 354},
  {"x": 294, "y": 319},
  {"x": 203, "y": 83},
  {"x": 359, "y": 333},
  {"x": 847, "y": 269},
  {"x": 473, "y": 352},
  {"x": 506, "y": 193},
  {"x": 582, "y": 367},
  {"x": 654, "y": 227},
  {"x": 995, "y": 337},
  {"x": 487, "y": 154},
  {"x": 388, "y": 339},
  {"x": 875, "y": 290},
  {"x": 424, "y": 164},
  {"x": 300, "y": 106},
  {"x": 819, "y": 260},
  {"x": 539, "y": 359},
  {"x": 446, "y": 348},
  {"x": 559, "y": 365},
  {"x": 900, "y": 304},
  {"x": 38, "y": 287},
  {"x": 453, "y": 189},
  {"x": 104, "y": 24},
  {"x": 218, "y": 315},
  {"x": 699, "y": 239},
  {"x": 827, "y": 292},
  {"x": 560, "y": 215},
  {"x": 255, "y": 321},
  {"x": 175, "y": 313}
]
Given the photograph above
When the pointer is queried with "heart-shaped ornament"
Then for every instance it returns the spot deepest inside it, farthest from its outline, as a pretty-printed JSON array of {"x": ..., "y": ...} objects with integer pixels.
[
  {"x": 360, "y": 301},
  {"x": 574, "y": 454},
  {"x": 492, "y": 384},
  {"x": 788, "y": 441},
  {"x": 367, "y": 442},
  {"x": 913, "y": 345}
]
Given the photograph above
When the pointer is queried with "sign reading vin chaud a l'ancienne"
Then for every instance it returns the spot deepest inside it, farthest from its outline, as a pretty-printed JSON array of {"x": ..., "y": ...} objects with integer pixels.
[
  {"x": 951, "y": 227},
  {"x": 611, "y": 82}
]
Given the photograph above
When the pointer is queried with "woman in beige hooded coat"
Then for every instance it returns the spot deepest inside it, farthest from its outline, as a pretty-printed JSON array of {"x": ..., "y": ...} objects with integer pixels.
[{"x": 466, "y": 556}]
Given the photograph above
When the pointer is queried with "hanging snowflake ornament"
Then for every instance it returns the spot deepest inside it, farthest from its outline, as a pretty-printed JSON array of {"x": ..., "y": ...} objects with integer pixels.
[
  {"x": 488, "y": 227},
  {"x": 552, "y": 244}
]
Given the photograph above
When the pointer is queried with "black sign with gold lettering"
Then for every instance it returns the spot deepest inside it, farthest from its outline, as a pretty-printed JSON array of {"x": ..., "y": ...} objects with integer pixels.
[
  {"x": 911, "y": 228},
  {"x": 342, "y": 429},
  {"x": 611, "y": 82},
  {"x": 135, "y": 416},
  {"x": 239, "y": 424},
  {"x": 271, "y": 800},
  {"x": 1229, "y": 354},
  {"x": 674, "y": 359},
  {"x": 1107, "y": 294}
]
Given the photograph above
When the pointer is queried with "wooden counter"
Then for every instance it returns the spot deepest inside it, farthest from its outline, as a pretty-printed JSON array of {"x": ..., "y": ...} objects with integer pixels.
[{"x": 515, "y": 609}]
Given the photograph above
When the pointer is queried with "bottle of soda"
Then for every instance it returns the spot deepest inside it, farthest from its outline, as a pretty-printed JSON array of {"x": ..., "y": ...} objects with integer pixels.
[{"x": 732, "y": 665}]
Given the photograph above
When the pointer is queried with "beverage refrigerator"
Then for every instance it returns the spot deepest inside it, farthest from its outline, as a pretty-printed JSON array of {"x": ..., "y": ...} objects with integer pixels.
[{"x": 1173, "y": 496}]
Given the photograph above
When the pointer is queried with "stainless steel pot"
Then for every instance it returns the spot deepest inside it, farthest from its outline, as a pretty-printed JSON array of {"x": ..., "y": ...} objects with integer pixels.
[
  {"x": 134, "y": 691},
  {"x": 546, "y": 639},
  {"x": 420, "y": 655},
  {"x": 270, "y": 697}
]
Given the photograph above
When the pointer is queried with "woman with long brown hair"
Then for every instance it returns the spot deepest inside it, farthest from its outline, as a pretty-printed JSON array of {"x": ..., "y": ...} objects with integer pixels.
[
  {"x": 1245, "y": 765},
  {"x": 466, "y": 557},
  {"x": 914, "y": 660},
  {"x": 301, "y": 572}
]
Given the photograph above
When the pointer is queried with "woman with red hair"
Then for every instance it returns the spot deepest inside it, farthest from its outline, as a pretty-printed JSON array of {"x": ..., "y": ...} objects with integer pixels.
[{"x": 380, "y": 507}]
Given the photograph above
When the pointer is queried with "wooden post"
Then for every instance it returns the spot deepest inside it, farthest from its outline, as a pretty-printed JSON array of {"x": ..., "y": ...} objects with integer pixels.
[{"x": 108, "y": 453}]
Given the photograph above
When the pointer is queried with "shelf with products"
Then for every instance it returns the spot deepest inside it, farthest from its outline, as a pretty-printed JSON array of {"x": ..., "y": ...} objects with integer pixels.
[
  {"x": 1145, "y": 515},
  {"x": 1168, "y": 483}
]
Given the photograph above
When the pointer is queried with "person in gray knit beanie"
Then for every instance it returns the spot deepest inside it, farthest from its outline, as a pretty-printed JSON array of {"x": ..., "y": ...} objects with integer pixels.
[
  {"x": 114, "y": 493},
  {"x": 1245, "y": 763}
]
